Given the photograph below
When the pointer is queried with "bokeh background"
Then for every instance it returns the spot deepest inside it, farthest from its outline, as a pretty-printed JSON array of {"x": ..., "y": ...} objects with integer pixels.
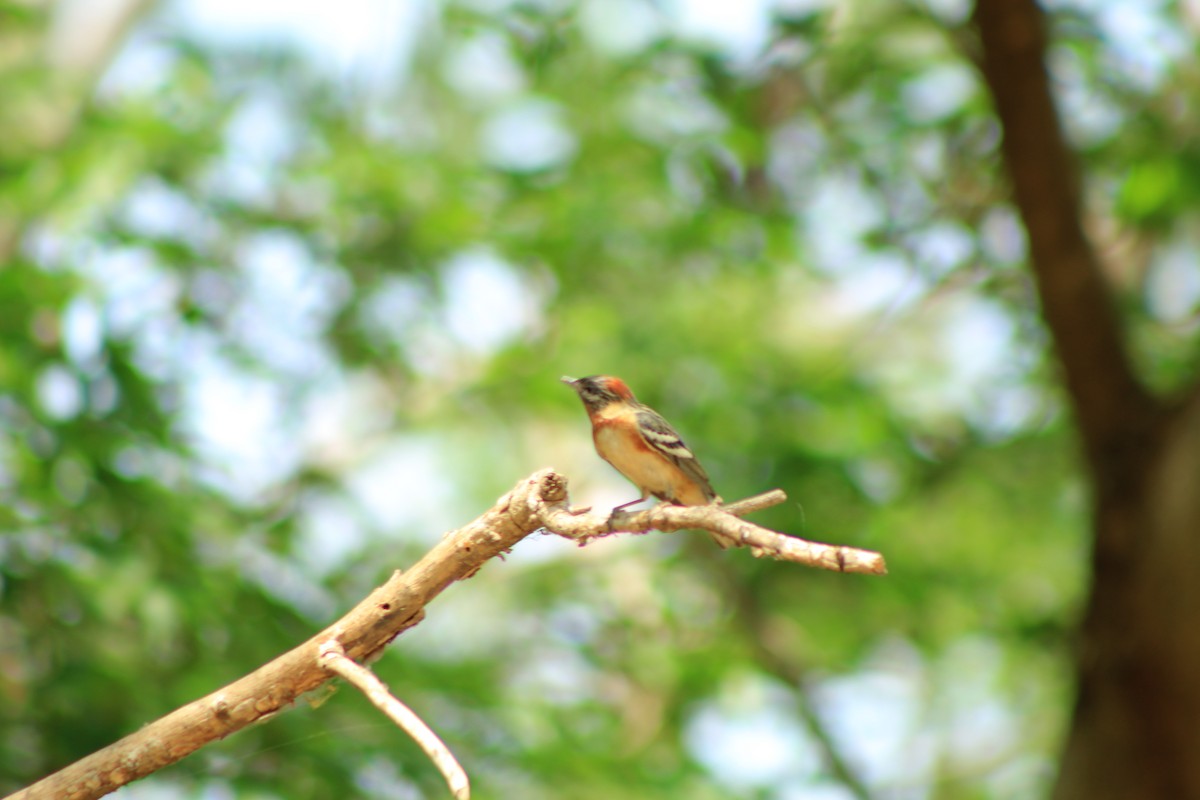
[{"x": 286, "y": 289}]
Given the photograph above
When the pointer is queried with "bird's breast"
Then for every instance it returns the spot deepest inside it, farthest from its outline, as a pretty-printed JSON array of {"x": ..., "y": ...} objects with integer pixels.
[{"x": 625, "y": 449}]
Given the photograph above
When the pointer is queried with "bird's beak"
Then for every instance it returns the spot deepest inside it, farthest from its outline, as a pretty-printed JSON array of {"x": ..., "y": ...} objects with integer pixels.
[{"x": 568, "y": 381}]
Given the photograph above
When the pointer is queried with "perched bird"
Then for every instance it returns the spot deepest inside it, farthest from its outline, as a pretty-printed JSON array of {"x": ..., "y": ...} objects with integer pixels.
[{"x": 641, "y": 445}]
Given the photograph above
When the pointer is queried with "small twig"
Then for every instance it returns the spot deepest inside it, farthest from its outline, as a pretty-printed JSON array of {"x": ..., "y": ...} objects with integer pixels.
[
  {"x": 333, "y": 658},
  {"x": 756, "y": 503}
]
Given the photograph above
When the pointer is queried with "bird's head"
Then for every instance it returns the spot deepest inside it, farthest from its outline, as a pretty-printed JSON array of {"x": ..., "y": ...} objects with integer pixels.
[{"x": 597, "y": 391}]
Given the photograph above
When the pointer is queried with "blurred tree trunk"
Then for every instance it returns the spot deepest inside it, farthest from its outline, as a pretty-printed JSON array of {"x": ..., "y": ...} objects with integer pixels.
[
  {"x": 1135, "y": 732},
  {"x": 51, "y": 57}
]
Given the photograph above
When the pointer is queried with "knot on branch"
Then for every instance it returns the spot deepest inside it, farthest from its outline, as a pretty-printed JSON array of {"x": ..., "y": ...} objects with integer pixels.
[{"x": 553, "y": 487}]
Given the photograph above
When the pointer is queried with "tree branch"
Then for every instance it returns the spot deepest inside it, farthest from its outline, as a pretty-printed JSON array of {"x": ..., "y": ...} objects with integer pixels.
[
  {"x": 722, "y": 521},
  {"x": 335, "y": 660},
  {"x": 1110, "y": 403},
  {"x": 538, "y": 502}
]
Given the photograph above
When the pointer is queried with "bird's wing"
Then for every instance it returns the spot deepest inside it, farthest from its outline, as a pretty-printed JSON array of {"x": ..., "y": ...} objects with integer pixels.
[{"x": 659, "y": 434}]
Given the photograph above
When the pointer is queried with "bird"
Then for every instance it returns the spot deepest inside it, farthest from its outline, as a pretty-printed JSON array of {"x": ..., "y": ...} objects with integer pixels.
[{"x": 641, "y": 445}]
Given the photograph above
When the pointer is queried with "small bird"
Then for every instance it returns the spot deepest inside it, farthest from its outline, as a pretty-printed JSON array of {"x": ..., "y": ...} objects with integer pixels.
[{"x": 641, "y": 445}]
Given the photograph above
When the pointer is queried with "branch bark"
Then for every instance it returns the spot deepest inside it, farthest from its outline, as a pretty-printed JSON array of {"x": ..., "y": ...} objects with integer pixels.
[
  {"x": 538, "y": 502},
  {"x": 721, "y": 521}
]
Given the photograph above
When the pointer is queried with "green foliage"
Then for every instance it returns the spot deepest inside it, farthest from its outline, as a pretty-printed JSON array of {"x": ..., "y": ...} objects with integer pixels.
[{"x": 786, "y": 258}]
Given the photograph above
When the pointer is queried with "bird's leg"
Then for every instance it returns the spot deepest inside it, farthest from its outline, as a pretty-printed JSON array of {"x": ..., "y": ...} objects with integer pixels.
[
  {"x": 622, "y": 507},
  {"x": 631, "y": 503}
]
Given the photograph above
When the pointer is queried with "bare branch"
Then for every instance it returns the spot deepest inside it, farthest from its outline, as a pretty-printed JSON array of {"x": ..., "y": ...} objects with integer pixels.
[
  {"x": 388, "y": 611},
  {"x": 537, "y": 502},
  {"x": 722, "y": 521},
  {"x": 334, "y": 659},
  {"x": 756, "y": 503}
]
